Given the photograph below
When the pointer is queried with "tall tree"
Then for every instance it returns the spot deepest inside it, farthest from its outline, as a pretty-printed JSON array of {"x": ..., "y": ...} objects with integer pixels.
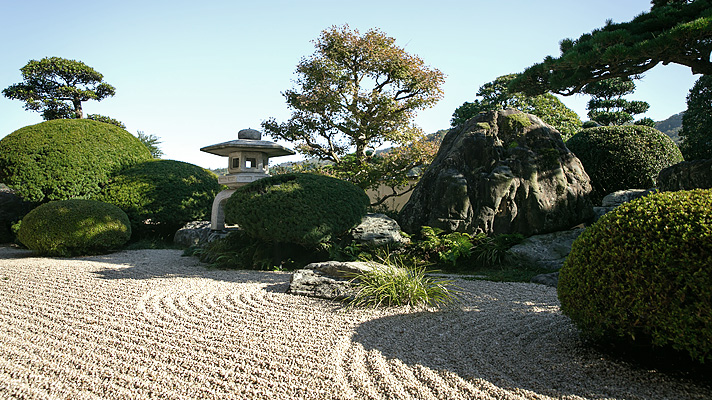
[
  {"x": 355, "y": 93},
  {"x": 608, "y": 107},
  {"x": 56, "y": 87},
  {"x": 496, "y": 96},
  {"x": 674, "y": 31},
  {"x": 696, "y": 130}
]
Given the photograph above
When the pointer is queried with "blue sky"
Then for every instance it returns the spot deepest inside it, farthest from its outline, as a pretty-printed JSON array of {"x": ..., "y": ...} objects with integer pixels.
[{"x": 194, "y": 73}]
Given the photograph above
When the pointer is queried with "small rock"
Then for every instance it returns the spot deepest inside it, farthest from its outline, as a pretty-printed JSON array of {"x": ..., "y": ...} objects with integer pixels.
[
  {"x": 547, "y": 251},
  {"x": 551, "y": 279},
  {"x": 377, "y": 230}
]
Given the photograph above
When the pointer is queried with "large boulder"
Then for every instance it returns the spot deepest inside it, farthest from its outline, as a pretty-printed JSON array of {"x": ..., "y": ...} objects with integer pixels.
[
  {"x": 548, "y": 250},
  {"x": 687, "y": 175},
  {"x": 501, "y": 172}
]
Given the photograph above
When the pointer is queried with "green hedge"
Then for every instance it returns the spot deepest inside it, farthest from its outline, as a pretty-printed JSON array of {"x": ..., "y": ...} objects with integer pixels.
[
  {"x": 160, "y": 196},
  {"x": 74, "y": 227},
  {"x": 66, "y": 158},
  {"x": 623, "y": 157},
  {"x": 304, "y": 209},
  {"x": 643, "y": 274}
]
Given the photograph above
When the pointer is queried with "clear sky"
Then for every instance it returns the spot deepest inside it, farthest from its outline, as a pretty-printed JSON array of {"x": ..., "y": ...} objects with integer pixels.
[{"x": 194, "y": 73}]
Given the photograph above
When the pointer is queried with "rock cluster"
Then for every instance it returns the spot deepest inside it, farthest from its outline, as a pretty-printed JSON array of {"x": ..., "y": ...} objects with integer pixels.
[{"x": 501, "y": 172}]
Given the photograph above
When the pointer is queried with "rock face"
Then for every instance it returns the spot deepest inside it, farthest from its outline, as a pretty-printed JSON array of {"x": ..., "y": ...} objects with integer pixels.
[
  {"x": 327, "y": 280},
  {"x": 687, "y": 175},
  {"x": 547, "y": 250},
  {"x": 501, "y": 172},
  {"x": 377, "y": 230}
]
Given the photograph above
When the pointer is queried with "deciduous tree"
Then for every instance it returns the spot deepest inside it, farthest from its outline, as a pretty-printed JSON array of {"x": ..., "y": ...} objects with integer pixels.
[
  {"x": 354, "y": 94},
  {"x": 57, "y": 87}
]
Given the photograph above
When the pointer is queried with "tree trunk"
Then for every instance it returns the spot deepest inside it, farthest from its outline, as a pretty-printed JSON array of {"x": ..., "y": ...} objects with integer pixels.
[{"x": 78, "y": 108}]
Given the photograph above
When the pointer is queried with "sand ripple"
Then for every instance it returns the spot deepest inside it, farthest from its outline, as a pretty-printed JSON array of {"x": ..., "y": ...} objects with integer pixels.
[{"x": 153, "y": 324}]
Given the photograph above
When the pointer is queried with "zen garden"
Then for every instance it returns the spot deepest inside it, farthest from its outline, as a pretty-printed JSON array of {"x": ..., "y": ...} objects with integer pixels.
[{"x": 522, "y": 253}]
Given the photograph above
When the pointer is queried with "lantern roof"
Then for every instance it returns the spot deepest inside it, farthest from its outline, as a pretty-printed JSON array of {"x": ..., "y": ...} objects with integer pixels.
[{"x": 248, "y": 140}]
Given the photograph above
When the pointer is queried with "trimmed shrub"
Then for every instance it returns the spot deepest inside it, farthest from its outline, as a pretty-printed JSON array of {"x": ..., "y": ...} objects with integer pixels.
[
  {"x": 642, "y": 274},
  {"x": 66, "y": 158},
  {"x": 74, "y": 227},
  {"x": 304, "y": 209},
  {"x": 623, "y": 157},
  {"x": 160, "y": 196}
]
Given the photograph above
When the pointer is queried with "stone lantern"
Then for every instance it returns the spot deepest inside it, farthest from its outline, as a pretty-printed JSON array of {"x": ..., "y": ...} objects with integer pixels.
[{"x": 248, "y": 160}]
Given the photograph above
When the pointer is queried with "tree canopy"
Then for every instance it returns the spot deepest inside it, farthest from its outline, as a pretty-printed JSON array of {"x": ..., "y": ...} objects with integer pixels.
[
  {"x": 56, "y": 87},
  {"x": 356, "y": 93},
  {"x": 495, "y": 96},
  {"x": 608, "y": 107},
  {"x": 696, "y": 130},
  {"x": 674, "y": 31}
]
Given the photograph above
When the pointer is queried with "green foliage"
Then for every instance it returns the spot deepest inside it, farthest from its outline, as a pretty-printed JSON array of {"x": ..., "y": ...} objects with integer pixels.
[
  {"x": 303, "y": 209},
  {"x": 160, "y": 196},
  {"x": 672, "y": 32},
  {"x": 696, "y": 130},
  {"x": 74, "y": 227},
  {"x": 496, "y": 96},
  {"x": 57, "y": 87},
  {"x": 64, "y": 159},
  {"x": 448, "y": 246},
  {"x": 397, "y": 285},
  {"x": 643, "y": 274},
  {"x": 241, "y": 251},
  {"x": 459, "y": 251},
  {"x": 357, "y": 92},
  {"x": 623, "y": 157},
  {"x": 608, "y": 107},
  {"x": 151, "y": 142},
  {"x": 106, "y": 120}
]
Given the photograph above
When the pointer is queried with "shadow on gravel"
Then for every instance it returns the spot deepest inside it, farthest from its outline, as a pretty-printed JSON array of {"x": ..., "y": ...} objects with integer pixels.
[
  {"x": 516, "y": 345},
  {"x": 10, "y": 252},
  {"x": 150, "y": 264}
]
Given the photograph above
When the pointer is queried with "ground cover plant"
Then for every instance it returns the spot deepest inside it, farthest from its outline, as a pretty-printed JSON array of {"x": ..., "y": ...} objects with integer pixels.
[{"x": 392, "y": 283}]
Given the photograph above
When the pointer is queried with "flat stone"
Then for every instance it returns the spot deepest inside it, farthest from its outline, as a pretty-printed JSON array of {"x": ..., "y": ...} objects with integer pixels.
[{"x": 330, "y": 280}]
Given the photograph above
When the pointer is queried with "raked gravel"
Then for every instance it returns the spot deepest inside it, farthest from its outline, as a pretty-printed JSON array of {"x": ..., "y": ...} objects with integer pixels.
[{"x": 153, "y": 324}]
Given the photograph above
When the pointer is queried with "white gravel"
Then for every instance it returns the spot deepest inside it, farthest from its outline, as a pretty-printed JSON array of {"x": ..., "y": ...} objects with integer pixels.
[{"x": 152, "y": 324}]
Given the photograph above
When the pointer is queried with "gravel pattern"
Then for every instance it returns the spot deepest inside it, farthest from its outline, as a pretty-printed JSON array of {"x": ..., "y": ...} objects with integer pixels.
[{"x": 152, "y": 324}]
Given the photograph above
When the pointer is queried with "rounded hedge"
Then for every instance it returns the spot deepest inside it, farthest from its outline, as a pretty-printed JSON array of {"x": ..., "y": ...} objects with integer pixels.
[
  {"x": 66, "y": 158},
  {"x": 623, "y": 157},
  {"x": 74, "y": 227},
  {"x": 643, "y": 274},
  {"x": 305, "y": 209},
  {"x": 160, "y": 196}
]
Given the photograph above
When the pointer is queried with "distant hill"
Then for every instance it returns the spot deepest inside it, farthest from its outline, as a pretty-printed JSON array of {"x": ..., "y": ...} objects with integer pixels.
[{"x": 671, "y": 126}]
